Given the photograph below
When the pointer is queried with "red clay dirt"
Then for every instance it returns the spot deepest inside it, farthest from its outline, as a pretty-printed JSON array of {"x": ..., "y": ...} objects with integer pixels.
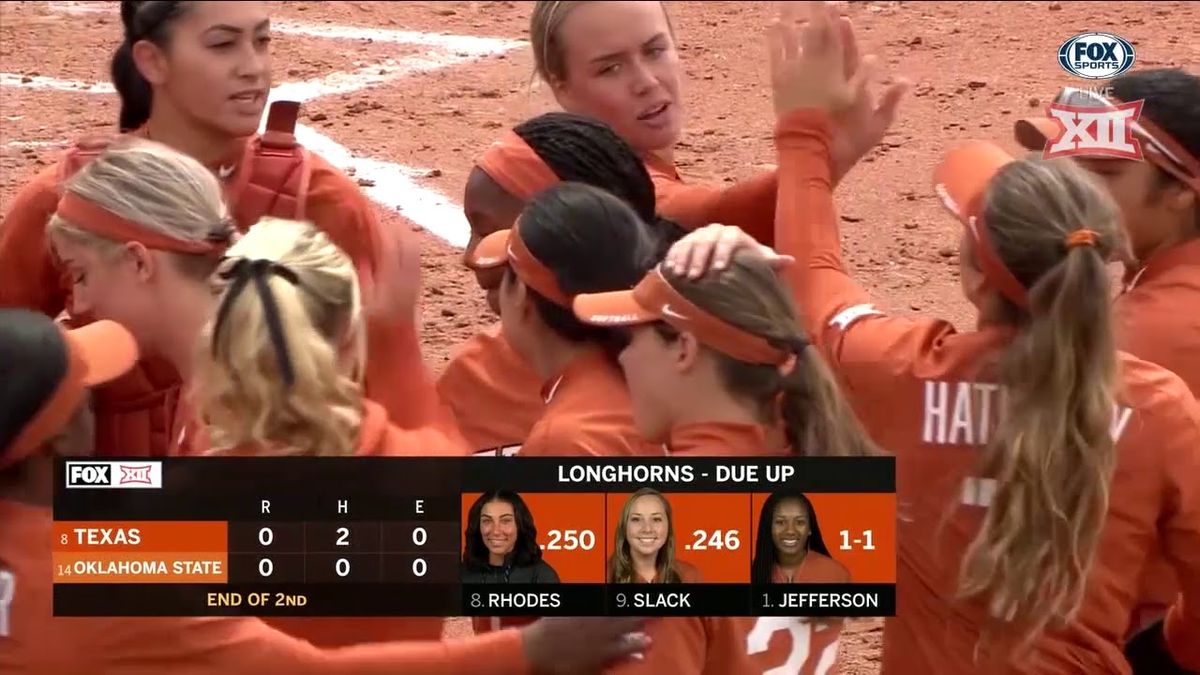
[{"x": 976, "y": 67}]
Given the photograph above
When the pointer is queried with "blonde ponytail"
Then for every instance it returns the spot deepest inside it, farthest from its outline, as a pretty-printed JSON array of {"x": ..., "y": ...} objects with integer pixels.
[
  {"x": 1053, "y": 454},
  {"x": 279, "y": 360}
]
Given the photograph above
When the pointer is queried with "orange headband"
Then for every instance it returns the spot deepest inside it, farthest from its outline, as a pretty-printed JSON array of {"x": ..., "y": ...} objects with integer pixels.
[
  {"x": 92, "y": 217},
  {"x": 505, "y": 247},
  {"x": 516, "y": 167},
  {"x": 654, "y": 299}
]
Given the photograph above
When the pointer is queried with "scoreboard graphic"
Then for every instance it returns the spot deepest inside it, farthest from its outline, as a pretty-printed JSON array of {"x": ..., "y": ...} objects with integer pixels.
[{"x": 475, "y": 536}]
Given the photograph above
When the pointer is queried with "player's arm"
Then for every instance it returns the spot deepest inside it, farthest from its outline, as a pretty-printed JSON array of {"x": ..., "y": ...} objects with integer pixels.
[
  {"x": 1181, "y": 536},
  {"x": 838, "y": 311},
  {"x": 388, "y": 261},
  {"x": 28, "y": 276},
  {"x": 748, "y": 204}
]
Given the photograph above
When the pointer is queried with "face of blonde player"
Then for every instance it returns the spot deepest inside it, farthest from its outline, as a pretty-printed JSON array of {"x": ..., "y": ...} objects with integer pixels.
[
  {"x": 131, "y": 287},
  {"x": 648, "y": 362},
  {"x": 216, "y": 70},
  {"x": 646, "y": 528},
  {"x": 622, "y": 68},
  {"x": 790, "y": 528},
  {"x": 498, "y": 527}
]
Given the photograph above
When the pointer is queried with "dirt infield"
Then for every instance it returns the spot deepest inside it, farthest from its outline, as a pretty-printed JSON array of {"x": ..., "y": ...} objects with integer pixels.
[{"x": 977, "y": 67}]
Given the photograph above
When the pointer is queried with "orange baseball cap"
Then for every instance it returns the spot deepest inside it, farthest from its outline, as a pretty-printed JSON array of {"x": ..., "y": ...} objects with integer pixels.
[
  {"x": 36, "y": 346},
  {"x": 960, "y": 181},
  {"x": 654, "y": 299},
  {"x": 505, "y": 247}
]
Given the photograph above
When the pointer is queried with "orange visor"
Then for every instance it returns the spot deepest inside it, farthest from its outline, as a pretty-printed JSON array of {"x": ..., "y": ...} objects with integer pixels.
[
  {"x": 505, "y": 247},
  {"x": 1158, "y": 147},
  {"x": 92, "y": 217},
  {"x": 654, "y": 299},
  {"x": 516, "y": 167},
  {"x": 97, "y": 353},
  {"x": 961, "y": 181}
]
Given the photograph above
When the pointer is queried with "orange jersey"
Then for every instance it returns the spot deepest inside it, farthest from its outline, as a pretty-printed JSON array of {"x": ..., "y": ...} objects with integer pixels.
[
  {"x": 493, "y": 393},
  {"x": 34, "y": 642},
  {"x": 749, "y": 204},
  {"x": 816, "y": 569},
  {"x": 737, "y": 645},
  {"x": 925, "y": 393},
  {"x": 588, "y": 412},
  {"x": 1158, "y": 315},
  {"x": 377, "y": 438},
  {"x": 1158, "y": 319},
  {"x": 134, "y": 415}
]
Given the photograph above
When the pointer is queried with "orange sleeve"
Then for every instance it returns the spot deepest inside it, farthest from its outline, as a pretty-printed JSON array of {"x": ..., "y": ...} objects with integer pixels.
[
  {"x": 748, "y": 204},
  {"x": 1181, "y": 521},
  {"x": 493, "y": 393},
  {"x": 248, "y": 646},
  {"x": 837, "y": 311},
  {"x": 28, "y": 276},
  {"x": 397, "y": 377}
]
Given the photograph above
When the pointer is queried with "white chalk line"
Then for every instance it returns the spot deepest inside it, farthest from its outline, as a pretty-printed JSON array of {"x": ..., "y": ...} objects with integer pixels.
[
  {"x": 390, "y": 184},
  {"x": 395, "y": 186}
]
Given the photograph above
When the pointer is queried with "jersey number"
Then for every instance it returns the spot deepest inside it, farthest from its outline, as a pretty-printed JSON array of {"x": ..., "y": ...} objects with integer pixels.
[
  {"x": 8, "y": 587},
  {"x": 802, "y": 634}
]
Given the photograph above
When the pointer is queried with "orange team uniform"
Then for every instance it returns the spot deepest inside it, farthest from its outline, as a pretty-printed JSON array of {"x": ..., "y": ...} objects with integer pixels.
[
  {"x": 495, "y": 389},
  {"x": 738, "y": 645},
  {"x": 588, "y": 412},
  {"x": 377, "y": 438},
  {"x": 925, "y": 394},
  {"x": 1158, "y": 319},
  {"x": 748, "y": 204},
  {"x": 135, "y": 415},
  {"x": 34, "y": 642},
  {"x": 815, "y": 569}
]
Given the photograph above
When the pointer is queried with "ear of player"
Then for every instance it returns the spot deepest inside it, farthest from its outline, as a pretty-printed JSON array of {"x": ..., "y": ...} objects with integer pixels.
[{"x": 474, "y": 536}]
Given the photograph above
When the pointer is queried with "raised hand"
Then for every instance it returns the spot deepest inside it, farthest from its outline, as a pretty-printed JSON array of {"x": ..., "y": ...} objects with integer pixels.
[
  {"x": 809, "y": 61},
  {"x": 393, "y": 288},
  {"x": 861, "y": 126},
  {"x": 712, "y": 247}
]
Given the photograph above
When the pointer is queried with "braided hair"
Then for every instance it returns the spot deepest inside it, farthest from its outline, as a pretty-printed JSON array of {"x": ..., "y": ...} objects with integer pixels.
[{"x": 581, "y": 149}]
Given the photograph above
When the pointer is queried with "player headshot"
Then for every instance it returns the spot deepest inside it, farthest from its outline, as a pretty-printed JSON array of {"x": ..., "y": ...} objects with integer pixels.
[
  {"x": 644, "y": 550},
  {"x": 789, "y": 548},
  {"x": 501, "y": 545}
]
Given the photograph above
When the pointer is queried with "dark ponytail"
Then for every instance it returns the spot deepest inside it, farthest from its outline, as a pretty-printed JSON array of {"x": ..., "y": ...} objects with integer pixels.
[
  {"x": 146, "y": 20},
  {"x": 593, "y": 242}
]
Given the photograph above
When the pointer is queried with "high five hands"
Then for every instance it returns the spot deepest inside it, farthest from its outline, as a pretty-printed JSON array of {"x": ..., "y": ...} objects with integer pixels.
[{"x": 860, "y": 121}]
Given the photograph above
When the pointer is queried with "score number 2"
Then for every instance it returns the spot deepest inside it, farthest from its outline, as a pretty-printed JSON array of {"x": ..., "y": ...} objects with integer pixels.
[
  {"x": 341, "y": 566},
  {"x": 866, "y": 541}
]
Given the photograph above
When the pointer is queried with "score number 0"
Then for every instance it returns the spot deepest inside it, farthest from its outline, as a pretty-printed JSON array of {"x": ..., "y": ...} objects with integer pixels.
[{"x": 342, "y": 566}]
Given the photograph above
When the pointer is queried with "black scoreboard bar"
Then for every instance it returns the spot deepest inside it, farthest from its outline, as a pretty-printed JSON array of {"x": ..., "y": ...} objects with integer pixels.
[{"x": 384, "y": 536}]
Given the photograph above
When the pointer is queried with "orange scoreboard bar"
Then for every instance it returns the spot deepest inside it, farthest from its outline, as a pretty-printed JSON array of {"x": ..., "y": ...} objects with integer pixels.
[{"x": 475, "y": 536}]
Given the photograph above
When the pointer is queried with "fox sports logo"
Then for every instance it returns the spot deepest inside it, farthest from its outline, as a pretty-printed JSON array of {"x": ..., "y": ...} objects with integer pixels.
[{"x": 1096, "y": 56}]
